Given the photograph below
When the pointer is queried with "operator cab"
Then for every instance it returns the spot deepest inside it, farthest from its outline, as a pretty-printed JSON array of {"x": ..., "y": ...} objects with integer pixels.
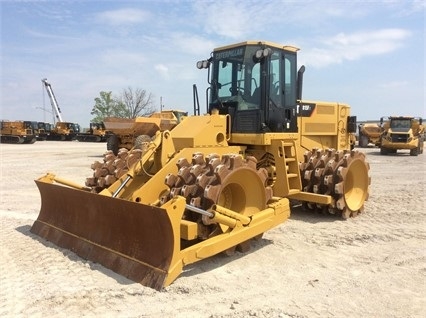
[{"x": 256, "y": 84}]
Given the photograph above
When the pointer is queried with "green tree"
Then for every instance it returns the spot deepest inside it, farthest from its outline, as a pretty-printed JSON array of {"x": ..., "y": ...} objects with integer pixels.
[
  {"x": 106, "y": 106},
  {"x": 130, "y": 104}
]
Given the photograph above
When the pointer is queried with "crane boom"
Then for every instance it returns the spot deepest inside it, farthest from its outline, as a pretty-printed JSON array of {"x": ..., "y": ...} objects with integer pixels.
[{"x": 53, "y": 100}]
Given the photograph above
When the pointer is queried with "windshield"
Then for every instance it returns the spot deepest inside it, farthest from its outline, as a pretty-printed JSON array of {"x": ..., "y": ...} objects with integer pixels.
[
  {"x": 30, "y": 124},
  {"x": 256, "y": 84},
  {"x": 238, "y": 77},
  {"x": 400, "y": 123}
]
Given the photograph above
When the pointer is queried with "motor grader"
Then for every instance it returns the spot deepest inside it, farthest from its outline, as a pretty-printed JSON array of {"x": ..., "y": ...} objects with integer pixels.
[{"x": 215, "y": 181}]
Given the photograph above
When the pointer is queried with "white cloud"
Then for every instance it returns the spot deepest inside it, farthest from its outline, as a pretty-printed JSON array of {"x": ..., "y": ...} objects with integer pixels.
[
  {"x": 406, "y": 8},
  {"x": 394, "y": 84},
  {"x": 163, "y": 70},
  {"x": 192, "y": 44},
  {"x": 120, "y": 57},
  {"x": 231, "y": 19},
  {"x": 360, "y": 38},
  {"x": 354, "y": 46},
  {"x": 242, "y": 19},
  {"x": 123, "y": 16},
  {"x": 47, "y": 35}
]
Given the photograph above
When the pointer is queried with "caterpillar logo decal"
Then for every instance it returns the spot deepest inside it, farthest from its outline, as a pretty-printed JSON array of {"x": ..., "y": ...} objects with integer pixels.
[{"x": 305, "y": 109}]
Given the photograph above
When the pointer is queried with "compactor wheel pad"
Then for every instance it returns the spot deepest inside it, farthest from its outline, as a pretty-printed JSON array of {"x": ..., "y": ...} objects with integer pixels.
[
  {"x": 228, "y": 180},
  {"x": 112, "y": 168},
  {"x": 342, "y": 174}
]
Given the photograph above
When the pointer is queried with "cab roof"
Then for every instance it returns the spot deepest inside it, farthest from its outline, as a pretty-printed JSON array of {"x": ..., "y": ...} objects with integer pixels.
[{"x": 266, "y": 43}]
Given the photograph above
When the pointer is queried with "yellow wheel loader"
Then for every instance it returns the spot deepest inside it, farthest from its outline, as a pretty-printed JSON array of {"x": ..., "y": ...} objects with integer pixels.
[{"x": 215, "y": 181}]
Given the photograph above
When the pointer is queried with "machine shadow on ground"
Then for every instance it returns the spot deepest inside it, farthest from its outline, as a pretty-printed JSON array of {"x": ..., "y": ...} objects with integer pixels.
[
  {"x": 221, "y": 259},
  {"x": 300, "y": 213}
]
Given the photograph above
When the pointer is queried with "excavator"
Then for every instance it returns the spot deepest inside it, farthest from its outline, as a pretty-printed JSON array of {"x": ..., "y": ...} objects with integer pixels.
[{"x": 217, "y": 180}]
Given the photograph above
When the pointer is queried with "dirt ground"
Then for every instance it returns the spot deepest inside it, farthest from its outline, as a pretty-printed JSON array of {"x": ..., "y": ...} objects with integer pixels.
[{"x": 310, "y": 266}]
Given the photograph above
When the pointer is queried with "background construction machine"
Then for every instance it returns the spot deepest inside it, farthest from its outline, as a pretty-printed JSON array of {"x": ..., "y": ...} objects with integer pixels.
[
  {"x": 63, "y": 131},
  {"x": 44, "y": 130},
  {"x": 95, "y": 133},
  {"x": 402, "y": 132},
  {"x": 215, "y": 181},
  {"x": 369, "y": 133},
  {"x": 128, "y": 132},
  {"x": 17, "y": 132}
]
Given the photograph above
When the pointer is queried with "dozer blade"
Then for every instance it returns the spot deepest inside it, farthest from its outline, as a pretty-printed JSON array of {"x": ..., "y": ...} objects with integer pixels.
[{"x": 132, "y": 239}]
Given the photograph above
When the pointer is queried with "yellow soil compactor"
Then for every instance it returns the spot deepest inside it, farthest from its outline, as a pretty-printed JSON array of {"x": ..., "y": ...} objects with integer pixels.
[{"x": 215, "y": 181}]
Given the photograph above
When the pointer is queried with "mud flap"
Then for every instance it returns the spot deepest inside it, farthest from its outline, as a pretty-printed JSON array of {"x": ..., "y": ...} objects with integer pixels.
[{"x": 134, "y": 240}]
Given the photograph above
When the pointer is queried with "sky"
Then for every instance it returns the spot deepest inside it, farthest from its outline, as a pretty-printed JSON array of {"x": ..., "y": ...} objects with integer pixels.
[{"x": 368, "y": 54}]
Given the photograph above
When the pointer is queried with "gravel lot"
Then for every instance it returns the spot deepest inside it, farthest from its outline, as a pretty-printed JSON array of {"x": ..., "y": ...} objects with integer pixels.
[{"x": 310, "y": 266}]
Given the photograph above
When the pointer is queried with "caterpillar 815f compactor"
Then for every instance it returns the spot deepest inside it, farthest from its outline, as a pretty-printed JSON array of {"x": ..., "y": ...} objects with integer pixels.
[{"x": 215, "y": 181}]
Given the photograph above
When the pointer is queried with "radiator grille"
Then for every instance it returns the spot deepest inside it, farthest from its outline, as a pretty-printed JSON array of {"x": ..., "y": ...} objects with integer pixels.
[{"x": 399, "y": 137}]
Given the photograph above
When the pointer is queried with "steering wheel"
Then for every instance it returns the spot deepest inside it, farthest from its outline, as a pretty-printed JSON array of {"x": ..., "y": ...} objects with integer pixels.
[{"x": 238, "y": 90}]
